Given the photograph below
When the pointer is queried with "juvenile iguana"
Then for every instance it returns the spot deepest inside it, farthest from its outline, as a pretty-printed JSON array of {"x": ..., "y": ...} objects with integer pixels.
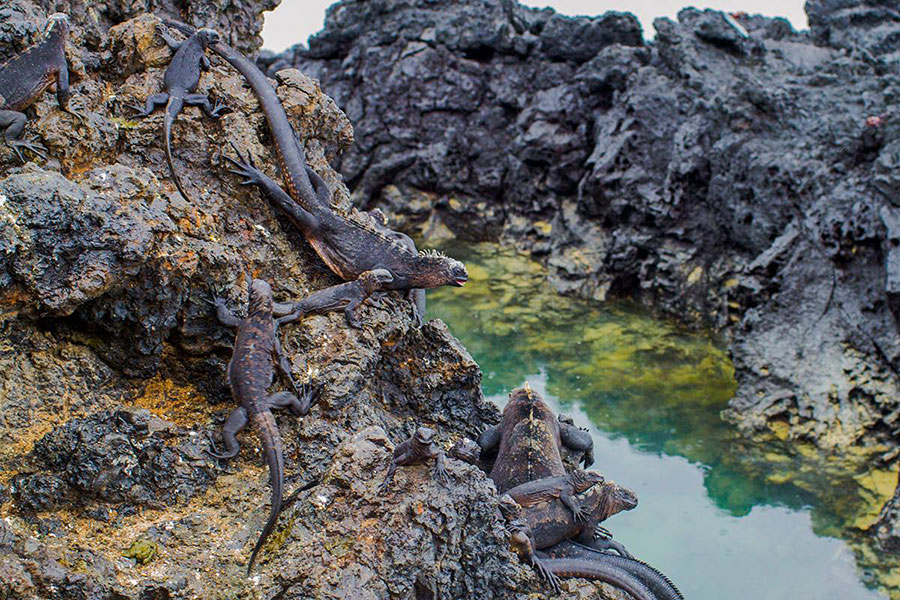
[
  {"x": 347, "y": 245},
  {"x": 250, "y": 373},
  {"x": 25, "y": 77},
  {"x": 347, "y": 296},
  {"x": 416, "y": 450},
  {"x": 181, "y": 80},
  {"x": 551, "y": 569},
  {"x": 528, "y": 439},
  {"x": 562, "y": 488}
]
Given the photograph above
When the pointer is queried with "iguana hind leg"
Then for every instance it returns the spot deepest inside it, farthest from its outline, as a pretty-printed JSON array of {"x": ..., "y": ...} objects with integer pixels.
[
  {"x": 236, "y": 422},
  {"x": 13, "y": 124},
  {"x": 154, "y": 101},
  {"x": 202, "y": 100},
  {"x": 245, "y": 168}
]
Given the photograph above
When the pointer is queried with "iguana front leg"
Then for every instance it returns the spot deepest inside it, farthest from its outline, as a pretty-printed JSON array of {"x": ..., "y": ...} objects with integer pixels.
[
  {"x": 572, "y": 504},
  {"x": 417, "y": 297},
  {"x": 171, "y": 42},
  {"x": 225, "y": 316},
  {"x": 440, "y": 469},
  {"x": 284, "y": 367}
]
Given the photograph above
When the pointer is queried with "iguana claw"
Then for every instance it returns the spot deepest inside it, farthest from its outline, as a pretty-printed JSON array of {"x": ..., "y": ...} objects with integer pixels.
[
  {"x": 244, "y": 167},
  {"x": 33, "y": 146}
]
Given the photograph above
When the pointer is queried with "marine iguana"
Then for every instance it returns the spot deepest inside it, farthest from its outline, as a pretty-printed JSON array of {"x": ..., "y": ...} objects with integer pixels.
[
  {"x": 527, "y": 442},
  {"x": 347, "y": 245},
  {"x": 558, "y": 488},
  {"x": 415, "y": 451},
  {"x": 24, "y": 78},
  {"x": 181, "y": 80},
  {"x": 250, "y": 373},
  {"x": 347, "y": 296},
  {"x": 551, "y": 569},
  {"x": 552, "y": 519}
]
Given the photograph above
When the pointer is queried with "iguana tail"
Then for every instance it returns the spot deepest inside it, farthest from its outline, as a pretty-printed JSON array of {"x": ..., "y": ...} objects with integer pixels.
[
  {"x": 600, "y": 571},
  {"x": 271, "y": 441},
  {"x": 173, "y": 107},
  {"x": 660, "y": 585}
]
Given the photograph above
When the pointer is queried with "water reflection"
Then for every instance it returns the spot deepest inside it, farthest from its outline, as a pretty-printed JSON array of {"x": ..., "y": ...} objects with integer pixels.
[{"x": 727, "y": 518}]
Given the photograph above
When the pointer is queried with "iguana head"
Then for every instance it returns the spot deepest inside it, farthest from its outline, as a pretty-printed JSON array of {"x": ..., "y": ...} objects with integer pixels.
[
  {"x": 614, "y": 499},
  {"x": 439, "y": 269},
  {"x": 424, "y": 436},
  {"x": 57, "y": 23},
  {"x": 208, "y": 37},
  {"x": 260, "y": 296},
  {"x": 585, "y": 480}
]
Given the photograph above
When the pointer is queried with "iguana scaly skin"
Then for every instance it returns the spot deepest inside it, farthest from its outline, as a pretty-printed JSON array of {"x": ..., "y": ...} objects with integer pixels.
[
  {"x": 24, "y": 78},
  {"x": 521, "y": 540},
  {"x": 421, "y": 447},
  {"x": 181, "y": 80},
  {"x": 344, "y": 296},
  {"x": 528, "y": 440},
  {"x": 349, "y": 246},
  {"x": 250, "y": 373}
]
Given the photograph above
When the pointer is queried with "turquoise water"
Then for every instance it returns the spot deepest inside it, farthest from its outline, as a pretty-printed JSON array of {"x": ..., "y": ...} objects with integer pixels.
[{"x": 724, "y": 517}]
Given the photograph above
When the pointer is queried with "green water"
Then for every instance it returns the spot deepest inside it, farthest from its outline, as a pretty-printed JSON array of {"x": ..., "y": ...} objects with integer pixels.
[{"x": 724, "y": 517}]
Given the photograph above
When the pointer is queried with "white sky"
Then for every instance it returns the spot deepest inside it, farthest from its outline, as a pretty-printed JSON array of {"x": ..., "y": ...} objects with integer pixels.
[{"x": 296, "y": 20}]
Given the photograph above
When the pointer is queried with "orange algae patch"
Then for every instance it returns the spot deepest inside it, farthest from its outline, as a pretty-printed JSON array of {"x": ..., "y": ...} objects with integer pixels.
[{"x": 183, "y": 405}]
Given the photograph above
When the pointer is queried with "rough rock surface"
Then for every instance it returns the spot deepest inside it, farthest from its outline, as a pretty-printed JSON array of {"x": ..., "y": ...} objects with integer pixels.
[
  {"x": 745, "y": 184},
  {"x": 112, "y": 365}
]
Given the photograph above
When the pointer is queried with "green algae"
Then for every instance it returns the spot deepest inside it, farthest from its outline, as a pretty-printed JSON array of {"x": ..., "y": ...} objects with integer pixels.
[{"x": 142, "y": 551}]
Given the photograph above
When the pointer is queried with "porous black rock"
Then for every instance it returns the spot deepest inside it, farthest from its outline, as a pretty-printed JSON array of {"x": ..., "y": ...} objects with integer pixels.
[{"x": 725, "y": 173}]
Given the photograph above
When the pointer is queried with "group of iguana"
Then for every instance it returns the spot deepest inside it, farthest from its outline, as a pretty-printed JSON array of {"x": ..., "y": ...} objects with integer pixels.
[{"x": 553, "y": 517}]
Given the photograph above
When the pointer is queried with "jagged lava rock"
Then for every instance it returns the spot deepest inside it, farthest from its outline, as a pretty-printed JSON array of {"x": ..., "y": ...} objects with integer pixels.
[{"x": 113, "y": 365}]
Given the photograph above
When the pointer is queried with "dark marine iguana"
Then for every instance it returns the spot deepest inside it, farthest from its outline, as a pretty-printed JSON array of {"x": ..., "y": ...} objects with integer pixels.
[
  {"x": 348, "y": 246},
  {"x": 527, "y": 442},
  {"x": 415, "y": 451},
  {"x": 181, "y": 80},
  {"x": 250, "y": 373},
  {"x": 347, "y": 296},
  {"x": 24, "y": 78},
  {"x": 551, "y": 569}
]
